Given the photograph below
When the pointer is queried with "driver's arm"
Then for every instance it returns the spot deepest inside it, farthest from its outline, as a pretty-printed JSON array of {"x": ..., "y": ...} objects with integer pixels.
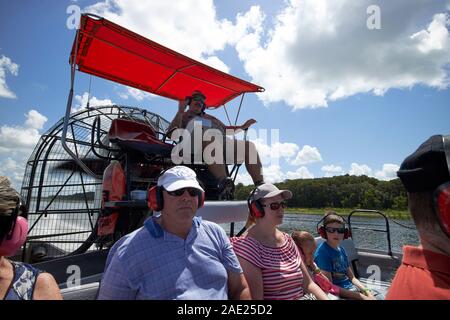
[{"x": 177, "y": 121}]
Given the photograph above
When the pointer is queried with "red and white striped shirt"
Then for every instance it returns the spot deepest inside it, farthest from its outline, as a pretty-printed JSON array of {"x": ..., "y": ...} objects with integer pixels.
[{"x": 280, "y": 267}]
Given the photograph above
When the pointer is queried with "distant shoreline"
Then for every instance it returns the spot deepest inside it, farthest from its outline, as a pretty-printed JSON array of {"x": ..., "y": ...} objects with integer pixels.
[{"x": 394, "y": 214}]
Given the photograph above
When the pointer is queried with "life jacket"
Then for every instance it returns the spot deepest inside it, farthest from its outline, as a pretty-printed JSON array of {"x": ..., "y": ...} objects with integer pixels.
[{"x": 113, "y": 189}]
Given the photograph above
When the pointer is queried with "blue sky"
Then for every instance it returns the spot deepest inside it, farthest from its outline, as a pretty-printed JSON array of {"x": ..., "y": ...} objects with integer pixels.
[{"x": 345, "y": 98}]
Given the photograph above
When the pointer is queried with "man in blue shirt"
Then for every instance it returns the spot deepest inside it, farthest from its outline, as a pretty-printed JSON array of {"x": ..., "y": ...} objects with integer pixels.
[{"x": 174, "y": 255}]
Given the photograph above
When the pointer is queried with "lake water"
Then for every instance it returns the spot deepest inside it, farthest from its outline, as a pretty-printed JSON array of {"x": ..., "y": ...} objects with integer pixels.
[
  {"x": 400, "y": 236},
  {"x": 73, "y": 222}
]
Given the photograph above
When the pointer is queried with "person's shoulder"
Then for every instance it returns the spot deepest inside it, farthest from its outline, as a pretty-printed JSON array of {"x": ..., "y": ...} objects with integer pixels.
[
  {"x": 207, "y": 223},
  {"x": 209, "y": 116},
  {"x": 210, "y": 226},
  {"x": 247, "y": 242},
  {"x": 46, "y": 288},
  {"x": 287, "y": 237},
  {"x": 341, "y": 249},
  {"x": 322, "y": 246},
  {"x": 131, "y": 240},
  {"x": 25, "y": 268}
]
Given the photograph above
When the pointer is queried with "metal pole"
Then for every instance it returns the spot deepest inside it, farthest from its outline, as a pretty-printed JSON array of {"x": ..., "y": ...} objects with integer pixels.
[{"x": 67, "y": 116}]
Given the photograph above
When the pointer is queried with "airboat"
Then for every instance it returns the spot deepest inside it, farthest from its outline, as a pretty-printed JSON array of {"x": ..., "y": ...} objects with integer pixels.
[{"x": 85, "y": 182}]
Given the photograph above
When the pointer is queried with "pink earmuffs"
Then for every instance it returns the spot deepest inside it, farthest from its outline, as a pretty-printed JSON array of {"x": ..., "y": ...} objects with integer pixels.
[{"x": 15, "y": 239}]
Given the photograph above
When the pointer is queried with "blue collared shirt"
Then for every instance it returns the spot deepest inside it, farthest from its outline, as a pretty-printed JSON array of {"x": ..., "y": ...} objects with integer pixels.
[
  {"x": 151, "y": 263},
  {"x": 334, "y": 261}
]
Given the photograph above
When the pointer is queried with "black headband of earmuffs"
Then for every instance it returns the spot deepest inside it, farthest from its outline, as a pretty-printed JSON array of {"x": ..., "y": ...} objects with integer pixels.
[
  {"x": 9, "y": 221},
  {"x": 446, "y": 141},
  {"x": 344, "y": 221}
]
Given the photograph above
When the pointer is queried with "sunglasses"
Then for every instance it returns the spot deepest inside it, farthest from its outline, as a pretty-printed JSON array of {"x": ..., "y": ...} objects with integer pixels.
[
  {"x": 198, "y": 98},
  {"x": 276, "y": 205},
  {"x": 333, "y": 230},
  {"x": 177, "y": 193}
]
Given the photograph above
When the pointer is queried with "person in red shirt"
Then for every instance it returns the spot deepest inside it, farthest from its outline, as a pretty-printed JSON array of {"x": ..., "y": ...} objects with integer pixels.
[{"x": 425, "y": 270}]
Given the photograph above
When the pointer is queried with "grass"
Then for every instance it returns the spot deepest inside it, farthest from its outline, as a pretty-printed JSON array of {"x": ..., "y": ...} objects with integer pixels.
[{"x": 394, "y": 214}]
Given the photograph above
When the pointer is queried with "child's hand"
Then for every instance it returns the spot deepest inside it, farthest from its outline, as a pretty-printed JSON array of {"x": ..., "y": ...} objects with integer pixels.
[
  {"x": 364, "y": 297},
  {"x": 367, "y": 295}
]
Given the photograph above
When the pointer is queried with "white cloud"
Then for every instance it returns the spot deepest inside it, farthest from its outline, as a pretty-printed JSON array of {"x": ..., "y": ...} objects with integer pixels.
[
  {"x": 6, "y": 65},
  {"x": 307, "y": 155},
  {"x": 320, "y": 51},
  {"x": 332, "y": 170},
  {"x": 14, "y": 170},
  {"x": 244, "y": 178},
  {"x": 388, "y": 172},
  {"x": 286, "y": 150},
  {"x": 270, "y": 154},
  {"x": 215, "y": 62},
  {"x": 308, "y": 42},
  {"x": 190, "y": 27},
  {"x": 81, "y": 102},
  {"x": 274, "y": 174},
  {"x": 136, "y": 94},
  {"x": 35, "y": 120},
  {"x": 23, "y": 138},
  {"x": 300, "y": 173},
  {"x": 360, "y": 169},
  {"x": 17, "y": 142},
  {"x": 436, "y": 37}
]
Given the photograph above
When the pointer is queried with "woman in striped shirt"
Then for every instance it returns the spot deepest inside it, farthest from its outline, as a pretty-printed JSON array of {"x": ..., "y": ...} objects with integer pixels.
[{"x": 270, "y": 259}]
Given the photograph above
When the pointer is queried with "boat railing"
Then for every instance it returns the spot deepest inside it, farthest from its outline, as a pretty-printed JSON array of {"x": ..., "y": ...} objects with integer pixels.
[{"x": 386, "y": 230}]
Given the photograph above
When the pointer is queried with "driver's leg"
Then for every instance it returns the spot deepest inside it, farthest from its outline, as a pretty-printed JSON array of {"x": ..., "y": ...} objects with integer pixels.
[{"x": 245, "y": 152}]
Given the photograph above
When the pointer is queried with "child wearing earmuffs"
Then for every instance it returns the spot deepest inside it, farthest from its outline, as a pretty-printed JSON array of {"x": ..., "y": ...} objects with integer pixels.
[
  {"x": 331, "y": 257},
  {"x": 307, "y": 246},
  {"x": 19, "y": 281}
]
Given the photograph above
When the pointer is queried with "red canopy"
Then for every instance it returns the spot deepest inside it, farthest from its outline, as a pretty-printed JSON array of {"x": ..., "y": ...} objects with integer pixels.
[{"x": 110, "y": 51}]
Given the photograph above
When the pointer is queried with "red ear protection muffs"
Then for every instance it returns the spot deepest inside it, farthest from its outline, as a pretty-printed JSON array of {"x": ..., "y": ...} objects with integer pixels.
[
  {"x": 442, "y": 194},
  {"x": 201, "y": 199},
  {"x": 442, "y": 205},
  {"x": 16, "y": 236},
  {"x": 155, "y": 198},
  {"x": 254, "y": 207},
  {"x": 323, "y": 233}
]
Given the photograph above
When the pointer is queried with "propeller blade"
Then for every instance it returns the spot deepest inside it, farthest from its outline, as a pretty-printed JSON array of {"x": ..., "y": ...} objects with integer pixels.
[{"x": 97, "y": 166}]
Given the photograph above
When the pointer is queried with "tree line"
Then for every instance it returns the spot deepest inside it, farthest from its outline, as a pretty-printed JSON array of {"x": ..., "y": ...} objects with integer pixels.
[{"x": 340, "y": 192}]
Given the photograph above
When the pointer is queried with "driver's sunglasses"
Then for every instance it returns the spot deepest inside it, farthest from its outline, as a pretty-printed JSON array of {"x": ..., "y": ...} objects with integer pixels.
[
  {"x": 276, "y": 205},
  {"x": 177, "y": 193},
  {"x": 198, "y": 98},
  {"x": 333, "y": 230}
]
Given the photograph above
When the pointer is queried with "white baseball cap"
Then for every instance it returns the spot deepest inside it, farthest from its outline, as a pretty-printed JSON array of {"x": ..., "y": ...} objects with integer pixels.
[
  {"x": 268, "y": 190},
  {"x": 179, "y": 177}
]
